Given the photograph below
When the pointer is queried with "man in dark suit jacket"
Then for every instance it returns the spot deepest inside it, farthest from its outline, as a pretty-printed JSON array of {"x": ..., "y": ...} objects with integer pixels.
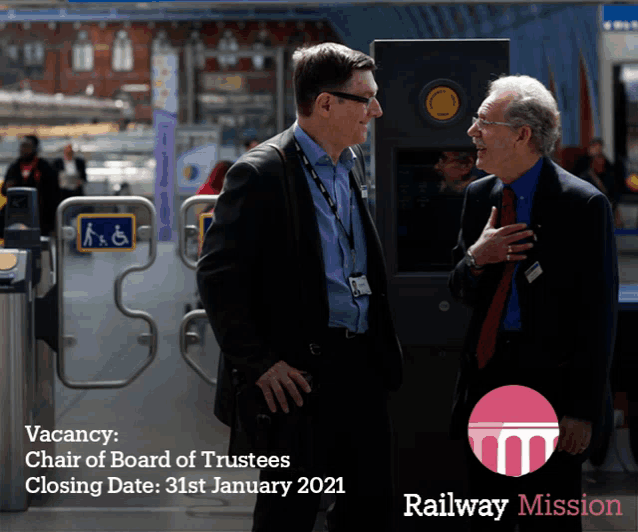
[
  {"x": 30, "y": 170},
  {"x": 556, "y": 329},
  {"x": 275, "y": 277}
]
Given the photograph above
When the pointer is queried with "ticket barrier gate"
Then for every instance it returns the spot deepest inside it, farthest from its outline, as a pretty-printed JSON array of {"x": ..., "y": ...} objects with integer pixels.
[
  {"x": 65, "y": 233},
  {"x": 17, "y": 367},
  {"x": 26, "y": 358},
  {"x": 31, "y": 311},
  {"x": 188, "y": 337}
]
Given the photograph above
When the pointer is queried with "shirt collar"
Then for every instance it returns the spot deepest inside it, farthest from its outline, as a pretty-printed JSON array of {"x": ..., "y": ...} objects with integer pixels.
[
  {"x": 525, "y": 185},
  {"x": 317, "y": 155}
]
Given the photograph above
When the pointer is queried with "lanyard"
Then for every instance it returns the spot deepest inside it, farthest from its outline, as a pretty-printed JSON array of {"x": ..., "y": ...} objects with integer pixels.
[{"x": 326, "y": 195}]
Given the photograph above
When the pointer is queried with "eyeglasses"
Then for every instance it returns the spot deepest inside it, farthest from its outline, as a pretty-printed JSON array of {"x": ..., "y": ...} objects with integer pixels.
[
  {"x": 482, "y": 123},
  {"x": 353, "y": 97}
]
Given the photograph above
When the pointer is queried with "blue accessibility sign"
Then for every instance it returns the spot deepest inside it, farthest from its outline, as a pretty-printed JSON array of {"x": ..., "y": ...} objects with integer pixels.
[
  {"x": 205, "y": 219},
  {"x": 106, "y": 232}
]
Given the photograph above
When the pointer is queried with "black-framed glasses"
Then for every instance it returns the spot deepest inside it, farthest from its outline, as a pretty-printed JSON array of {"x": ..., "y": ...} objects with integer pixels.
[{"x": 353, "y": 97}]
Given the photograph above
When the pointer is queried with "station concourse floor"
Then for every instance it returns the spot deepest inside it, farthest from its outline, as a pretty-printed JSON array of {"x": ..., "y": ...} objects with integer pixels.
[{"x": 170, "y": 408}]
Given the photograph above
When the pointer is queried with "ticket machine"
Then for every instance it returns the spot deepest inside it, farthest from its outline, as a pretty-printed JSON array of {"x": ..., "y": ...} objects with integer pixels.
[{"x": 423, "y": 159}]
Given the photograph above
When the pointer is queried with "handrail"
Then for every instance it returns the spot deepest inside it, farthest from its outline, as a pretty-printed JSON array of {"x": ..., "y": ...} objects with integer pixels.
[
  {"x": 183, "y": 344},
  {"x": 188, "y": 203},
  {"x": 193, "y": 314},
  {"x": 151, "y": 337}
]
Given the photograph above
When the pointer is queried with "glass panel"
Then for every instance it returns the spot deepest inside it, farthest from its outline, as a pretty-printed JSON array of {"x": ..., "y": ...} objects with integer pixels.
[
  {"x": 39, "y": 52},
  {"x": 33, "y": 53},
  {"x": 82, "y": 57},
  {"x": 629, "y": 77},
  {"x": 228, "y": 43},
  {"x": 13, "y": 53},
  {"x": 28, "y": 54},
  {"x": 430, "y": 188},
  {"x": 122, "y": 52},
  {"x": 626, "y": 142}
]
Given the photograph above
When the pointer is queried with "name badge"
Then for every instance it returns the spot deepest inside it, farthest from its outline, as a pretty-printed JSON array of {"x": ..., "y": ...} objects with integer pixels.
[
  {"x": 532, "y": 273},
  {"x": 364, "y": 191},
  {"x": 359, "y": 285}
]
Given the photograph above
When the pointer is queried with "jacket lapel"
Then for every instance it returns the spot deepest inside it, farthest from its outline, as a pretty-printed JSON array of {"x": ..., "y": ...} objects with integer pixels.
[
  {"x": 311, "y": 267},
  {"x": 496, "y": 195},
  {"x": 373, "y": 242},
  {"x": 544, "y": 206}
]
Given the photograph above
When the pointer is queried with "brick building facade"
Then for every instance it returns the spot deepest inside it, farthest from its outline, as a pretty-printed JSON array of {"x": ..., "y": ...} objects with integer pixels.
[{"x": 113, "y": 60}]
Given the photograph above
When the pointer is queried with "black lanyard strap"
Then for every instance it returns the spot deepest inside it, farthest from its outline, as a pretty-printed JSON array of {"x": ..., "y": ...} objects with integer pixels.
[{"x": 326, "y": 195}]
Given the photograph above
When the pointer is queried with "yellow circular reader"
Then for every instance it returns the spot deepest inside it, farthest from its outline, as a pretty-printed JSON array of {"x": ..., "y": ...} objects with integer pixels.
[
  {"x": 8, "y": 261},
  {"x": 442, "y": 103},
  {"x": 632, "y": 182}
]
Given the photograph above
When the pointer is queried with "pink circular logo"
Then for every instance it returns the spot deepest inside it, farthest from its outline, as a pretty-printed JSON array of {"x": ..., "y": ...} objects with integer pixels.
[{"x": 513, "y": 430}]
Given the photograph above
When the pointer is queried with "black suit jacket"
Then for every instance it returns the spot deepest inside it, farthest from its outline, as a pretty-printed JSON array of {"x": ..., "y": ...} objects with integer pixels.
[
  {"x": 47, "y": 187},
  {"x": 569, "y": 312},
  {"x": 264, "y": 291}
]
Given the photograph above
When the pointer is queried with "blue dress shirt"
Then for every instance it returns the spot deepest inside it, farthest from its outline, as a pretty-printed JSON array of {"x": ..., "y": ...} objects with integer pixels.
[
  {"x": 524, "y": 188},
  {"x": 345, "y": 310}
]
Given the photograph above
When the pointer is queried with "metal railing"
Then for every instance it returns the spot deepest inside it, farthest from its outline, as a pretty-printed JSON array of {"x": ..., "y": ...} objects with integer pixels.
[
  {"x": 64, "y": 233},
  {"x": 187, "y": 337}
]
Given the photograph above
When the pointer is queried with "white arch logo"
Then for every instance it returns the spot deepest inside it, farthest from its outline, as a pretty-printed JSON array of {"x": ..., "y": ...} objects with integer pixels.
[{"x": 513, "y": 430}]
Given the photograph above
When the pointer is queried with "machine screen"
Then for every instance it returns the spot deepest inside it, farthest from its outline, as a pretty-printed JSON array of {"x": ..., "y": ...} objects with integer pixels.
[{"x": 430, "y": 189}]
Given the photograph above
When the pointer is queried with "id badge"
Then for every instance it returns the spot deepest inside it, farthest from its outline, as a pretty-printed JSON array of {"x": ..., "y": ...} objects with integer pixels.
[
  {"x": 533, "y": 272},
  {"x": 359, "y": 285}
]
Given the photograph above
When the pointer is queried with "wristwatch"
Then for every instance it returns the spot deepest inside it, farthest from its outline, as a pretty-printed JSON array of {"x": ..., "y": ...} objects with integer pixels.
[{"x": 472, "y": 261}]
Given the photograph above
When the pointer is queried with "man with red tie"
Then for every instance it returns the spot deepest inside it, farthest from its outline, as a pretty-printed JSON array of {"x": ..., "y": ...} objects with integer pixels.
[{"x": 536, "y": 261}]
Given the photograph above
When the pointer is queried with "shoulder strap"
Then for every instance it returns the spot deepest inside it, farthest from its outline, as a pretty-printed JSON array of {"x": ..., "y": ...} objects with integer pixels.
[{"x": 291, "y": 205}]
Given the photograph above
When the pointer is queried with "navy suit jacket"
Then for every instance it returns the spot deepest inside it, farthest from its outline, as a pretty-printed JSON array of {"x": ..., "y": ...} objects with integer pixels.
[
  {"x": 263, "y": 289},
  {"x": 569, "y": 312}
]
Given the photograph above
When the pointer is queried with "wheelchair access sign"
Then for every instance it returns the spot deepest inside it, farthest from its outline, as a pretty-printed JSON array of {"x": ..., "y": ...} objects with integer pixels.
[{"x": 106, "y": 232}]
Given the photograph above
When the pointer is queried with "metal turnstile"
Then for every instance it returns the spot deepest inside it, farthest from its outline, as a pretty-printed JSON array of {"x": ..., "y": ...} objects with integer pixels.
[{"x": 17, "y": 375}]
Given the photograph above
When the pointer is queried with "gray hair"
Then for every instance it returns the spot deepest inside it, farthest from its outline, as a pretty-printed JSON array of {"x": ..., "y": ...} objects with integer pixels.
[{"x": 532, "y": 105}]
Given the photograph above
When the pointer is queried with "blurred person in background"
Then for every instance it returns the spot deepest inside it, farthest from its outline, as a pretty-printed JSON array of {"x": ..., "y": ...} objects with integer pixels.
[
  {"x": 71, "y": 178},
  {"x": 613, "y": 176},
  {"x": 456, "y": 169},
  {"x": 601, "y": 174},
  {"x": 71, "y": 173},
  {"x": 30, "y": 170},
  {"x": 250, "y": 144},
  {"x": 444, "y": 207},
  {"x": 594, "y": 149},
  {"x": 215, "y": 181},
  {"x": 123, "y": 189},
  {"x": 213, "y": 185}
]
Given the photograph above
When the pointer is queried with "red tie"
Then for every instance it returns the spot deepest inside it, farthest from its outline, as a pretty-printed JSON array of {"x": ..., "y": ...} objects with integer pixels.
[{"x": 487, "y": 339}]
